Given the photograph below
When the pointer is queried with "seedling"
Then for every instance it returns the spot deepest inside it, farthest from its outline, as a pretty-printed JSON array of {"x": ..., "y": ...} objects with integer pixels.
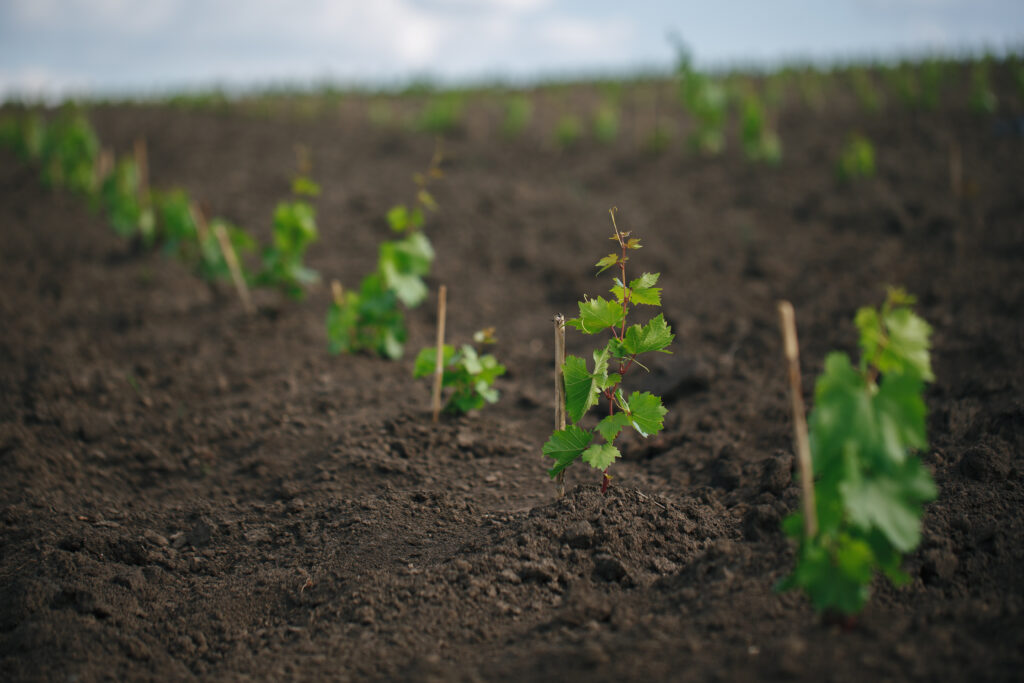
[
  {"x": 857, "y": 160},
  {"x": 586, "y": 388},
  {"x": 866, "y": 423},
  {"x": 294, "y": 230},
  {"x": 69, "y": 153},
  {"x": 606, "y": 123},
  {"x": 707, "y": 101},
  {"x": 442, "y": 114},
  {"x": 369, "y": 319},
  {"x": 213, "y": 263},
  {"x": 760, "y": 143},
  {"x": 568, "y": 131},
  {"x": 119, "y": 195},
  {"x": 469, "y": 374},
  {"x": 518, "y": 112}
]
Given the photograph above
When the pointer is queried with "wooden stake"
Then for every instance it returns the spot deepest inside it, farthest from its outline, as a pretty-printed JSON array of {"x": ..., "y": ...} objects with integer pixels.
[
  {"x": 142, "y": 167},
  {"x": 787, "y": 321},
  {"x": 104, "y": 166},
  {"x": 442, "y": 302},
  {"x": 559, "y": 321},
  {"x": 337, "y": 293},
  {"x": 231, "y": 258},
  {"x": 202, "y": 233}
]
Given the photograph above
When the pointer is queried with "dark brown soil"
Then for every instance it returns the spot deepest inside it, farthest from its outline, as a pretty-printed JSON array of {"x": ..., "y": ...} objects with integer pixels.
[{"x": 189, "y": 492}]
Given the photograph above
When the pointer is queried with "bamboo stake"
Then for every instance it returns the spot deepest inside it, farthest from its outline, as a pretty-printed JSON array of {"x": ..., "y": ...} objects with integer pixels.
[
  {"x": 442, "y": 301},
  {"x": 200, "y": 220},
  {"x": 337, "y": 293},
  {"x": 231, "y": 258},
  {"x": 142, "y": 167},
  {"x": 559, "y": 321},
  {"x": 104, "y": 166},
  {"x": 787, "y": 322}
]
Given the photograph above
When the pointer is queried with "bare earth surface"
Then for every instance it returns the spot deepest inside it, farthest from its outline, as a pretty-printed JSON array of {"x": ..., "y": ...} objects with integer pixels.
[{"x": 191, "y": 493}]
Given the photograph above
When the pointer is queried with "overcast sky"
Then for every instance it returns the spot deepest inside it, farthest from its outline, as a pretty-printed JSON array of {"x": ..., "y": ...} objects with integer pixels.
[{"x": 145, "y": 46}]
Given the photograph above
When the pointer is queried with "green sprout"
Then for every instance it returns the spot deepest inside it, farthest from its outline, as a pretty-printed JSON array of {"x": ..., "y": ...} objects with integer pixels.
[
  {"x": 586, "y": 388},
  {"x": 606, "y": 123},
  {"x": 760, "y": 143},
  {"x": 370, "y": 319},
  {"x": 857, "y": 160},
  {"x": 568, "y": 131},
  {"x": 518, "y": 112},
  {"x": 468, "y": 373},
  {"x": 869, "y": 486}
]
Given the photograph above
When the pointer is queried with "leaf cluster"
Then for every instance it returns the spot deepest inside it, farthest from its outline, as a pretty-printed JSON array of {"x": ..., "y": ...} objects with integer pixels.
[
  {"x": 707, "y": 101},
  {"x": 294, "y": 229},
  {"x": 468, "y": 373},
  {"x": 869, "y": 489},
  {"x": 587, "y": 385},
  {"x": 857, "y": 160},
  {"x": 760, "y": 142},
  {"x": 370, "y": 318}
]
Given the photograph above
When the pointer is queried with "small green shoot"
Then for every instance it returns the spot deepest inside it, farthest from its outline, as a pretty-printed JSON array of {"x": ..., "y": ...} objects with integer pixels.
[
  {"x": 867, "y": 421},
  {"x": 857, "y": 160},
  {"x": 370, "y": 319},
  {"x": 606, "y": 123},
  {"x": 586, "y": 387},
  {"x": 469, "y": 374},
  {"x": 707, "y": 101},
  {"x": 119, "y": 196},
  {"x": 442, "y": 114},
  {"x": 294, "y": 230},
  {"x": 518, "y": 112},
  {"x": 760, "y": 143},
  {"x": 568, "y": 131}
]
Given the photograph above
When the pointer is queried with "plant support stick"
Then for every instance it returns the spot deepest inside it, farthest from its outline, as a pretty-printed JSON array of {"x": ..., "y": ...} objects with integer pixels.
[
  {"x": 442, "y": 296},
  {"x": 560, "y": 389},
  {"x": 231, "y": 258},
  {"x": 803, "y": 449}
]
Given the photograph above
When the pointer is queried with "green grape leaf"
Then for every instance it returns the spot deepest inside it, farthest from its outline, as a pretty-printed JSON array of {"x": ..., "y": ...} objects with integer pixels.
[
  {"x": 646, "y": 413},
  {"x": 895, "y": 341},
  {"x": 888, "y": 505},
  {"x": 581, "y": 390},
  {"x": 641, "y": 290},
  {"x": 900, "y": 412},
  {"x": 908, "y": 344},
  {"x": 426, "y": 360},
  {"x": 597, "y": 314},
  {"x": 607, "y": 262},
  {"x": 656, "y": 335},
  {"x": 611, "y": 425},
  {"x": 565, "y": 446},
  {"x": 601, "y": 456},
  {"x": 398, "y": 218}
]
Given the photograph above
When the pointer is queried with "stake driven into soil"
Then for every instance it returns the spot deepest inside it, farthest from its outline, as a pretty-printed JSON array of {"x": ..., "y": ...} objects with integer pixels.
[
  {"x": 559, "y": 321},
  {"x": 442, "y": 300},
  {"x": 787, "y": 322},
  {"x": 231, "y": 258}
]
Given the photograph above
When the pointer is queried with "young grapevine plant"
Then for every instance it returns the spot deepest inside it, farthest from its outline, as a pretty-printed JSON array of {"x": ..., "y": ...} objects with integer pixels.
[
  {"x": 370, "y": 319},
  {"x": 599, "y": 385},
  {"x": 294, "y": 230},
  {"x": 869, "y": 488},
  {"x": 467, "y": 372}
]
